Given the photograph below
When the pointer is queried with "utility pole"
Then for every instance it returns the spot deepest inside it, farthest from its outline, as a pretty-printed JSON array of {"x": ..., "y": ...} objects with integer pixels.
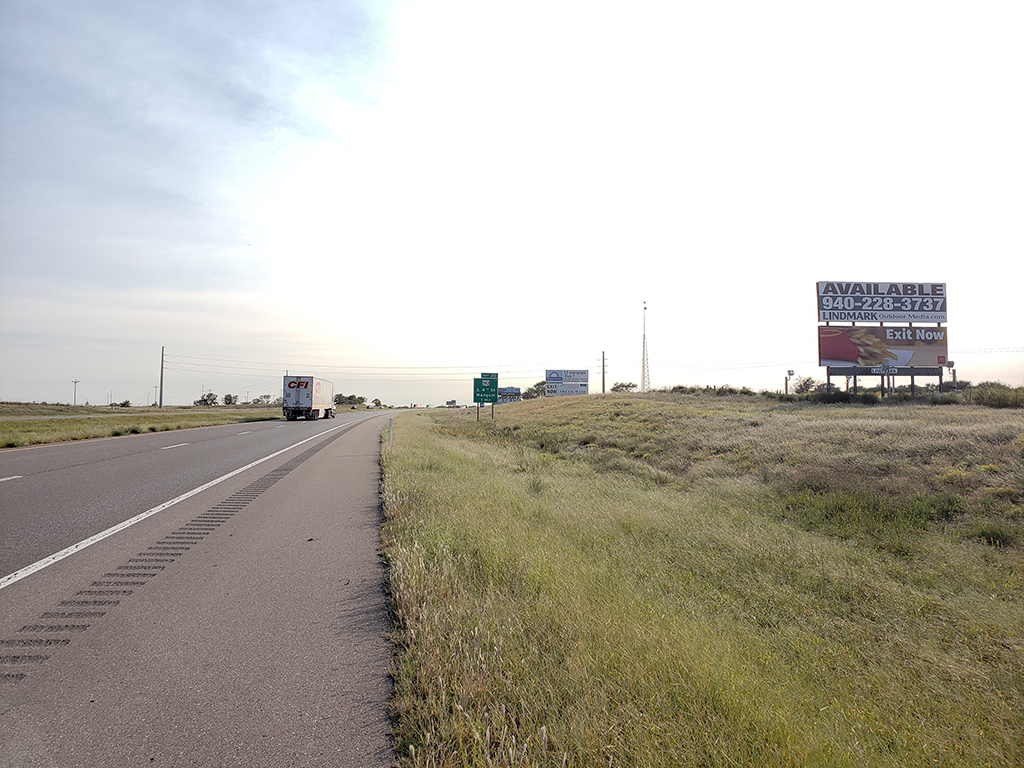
[
  {"x": 161, "y": 401},
  {"x": 75, "y": 382},
  {"x": 645, "y": 374}
]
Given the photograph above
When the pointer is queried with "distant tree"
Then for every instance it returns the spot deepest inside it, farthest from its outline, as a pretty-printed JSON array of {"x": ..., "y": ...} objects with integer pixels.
[
  {"x": 262, "y": 400},
  {"x": 278, "y": 401},
  {"x": 537, "y": 390},
  {"x": 125, "y": 404},
  {"x": 620, "y": 386},
  {"x": 349, "y": 399},
  {"x": 377, "y": 403},
  {"x": 208, "y": 399},
  {"x": 804, "y": 385},
  {"x": 230, "y": 399}
]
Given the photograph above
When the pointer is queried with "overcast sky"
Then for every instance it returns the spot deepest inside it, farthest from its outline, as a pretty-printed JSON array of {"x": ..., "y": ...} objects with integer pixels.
[{"x": 399, "y": 196}]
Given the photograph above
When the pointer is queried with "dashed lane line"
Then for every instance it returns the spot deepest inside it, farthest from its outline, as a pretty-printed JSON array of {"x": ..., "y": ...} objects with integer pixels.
[{"x": 6, "y": 581}]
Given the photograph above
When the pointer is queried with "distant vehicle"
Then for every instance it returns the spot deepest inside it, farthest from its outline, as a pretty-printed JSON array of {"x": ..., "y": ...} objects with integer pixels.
[{"x": 308, "y": 397}]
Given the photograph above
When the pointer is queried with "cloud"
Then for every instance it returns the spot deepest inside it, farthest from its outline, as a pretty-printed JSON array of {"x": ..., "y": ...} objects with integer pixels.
[{"x": 126, "y": 125}]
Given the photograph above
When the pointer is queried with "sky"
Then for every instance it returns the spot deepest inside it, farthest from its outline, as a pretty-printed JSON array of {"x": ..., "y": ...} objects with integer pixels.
[{"x": 400, "y": 196}]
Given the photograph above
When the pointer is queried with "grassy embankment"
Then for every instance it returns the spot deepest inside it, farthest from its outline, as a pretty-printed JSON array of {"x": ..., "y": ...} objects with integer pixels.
[
  {"x": 689, "y": 580},
  {"x": 62, "y": 423}
]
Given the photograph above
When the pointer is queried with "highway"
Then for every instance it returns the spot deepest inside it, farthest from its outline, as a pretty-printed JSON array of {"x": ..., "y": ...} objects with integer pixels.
[{"x": 199, "y": 597}]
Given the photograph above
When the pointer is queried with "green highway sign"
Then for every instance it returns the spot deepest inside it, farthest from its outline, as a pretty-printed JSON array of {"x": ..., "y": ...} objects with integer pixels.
[
  {"x": 485, "y": 390},
  {"x": 488, "y": 375}
]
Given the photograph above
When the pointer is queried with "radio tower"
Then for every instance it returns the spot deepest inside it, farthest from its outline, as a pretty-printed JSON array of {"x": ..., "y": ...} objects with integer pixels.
[{"x": 645, "y": 373}]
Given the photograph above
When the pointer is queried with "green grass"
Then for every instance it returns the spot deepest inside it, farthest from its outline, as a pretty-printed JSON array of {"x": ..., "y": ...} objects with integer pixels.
[
  {"x": 675, "y": 580},
  {"x": 67, "y": 423}
]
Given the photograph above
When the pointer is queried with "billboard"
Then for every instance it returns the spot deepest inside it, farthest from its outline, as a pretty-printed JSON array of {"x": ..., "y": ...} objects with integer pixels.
[
  {"x": 848, "y": 302},
  {"x": 845, "y": 346},
  {"x": 509, "y": 394},
  {"x": 561, "y": 381}
]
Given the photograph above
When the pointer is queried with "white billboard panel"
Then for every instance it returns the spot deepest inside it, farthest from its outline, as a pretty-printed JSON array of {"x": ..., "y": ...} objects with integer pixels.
[
  {"x": 570, "y": 388},
  {"x": 565, "y": 376},
  {"x": 849, "y": 302}
]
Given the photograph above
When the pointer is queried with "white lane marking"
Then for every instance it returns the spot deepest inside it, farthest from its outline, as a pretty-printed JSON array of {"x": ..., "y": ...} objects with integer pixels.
[
  {"x": 12, "y": 477},
  {"x": 6, "y": 581},
  {"x": 249, "y": 432},
  {"x": 176, "y": 445}
]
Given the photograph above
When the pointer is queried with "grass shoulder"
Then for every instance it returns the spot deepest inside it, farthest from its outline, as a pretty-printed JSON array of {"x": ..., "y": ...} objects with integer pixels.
[{"x": 680, "y": 579}]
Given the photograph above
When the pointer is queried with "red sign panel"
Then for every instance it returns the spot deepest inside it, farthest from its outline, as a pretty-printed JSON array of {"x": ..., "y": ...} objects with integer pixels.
[{"x": 872, "y": 346}]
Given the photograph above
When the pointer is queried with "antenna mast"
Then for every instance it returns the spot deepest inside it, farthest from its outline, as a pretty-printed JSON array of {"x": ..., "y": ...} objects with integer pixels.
[{"x": 645, "y": 373}]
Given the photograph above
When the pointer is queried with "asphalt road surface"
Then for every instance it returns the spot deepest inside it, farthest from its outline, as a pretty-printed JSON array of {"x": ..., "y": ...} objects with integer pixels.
[{"x": 242, "y": 625}]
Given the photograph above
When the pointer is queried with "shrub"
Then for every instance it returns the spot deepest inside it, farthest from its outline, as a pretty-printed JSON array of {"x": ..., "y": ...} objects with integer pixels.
[
  {"x": 835, "y": 396},
  {"x": 995, "y": 394},
  {"x": 681, "y": 389}
]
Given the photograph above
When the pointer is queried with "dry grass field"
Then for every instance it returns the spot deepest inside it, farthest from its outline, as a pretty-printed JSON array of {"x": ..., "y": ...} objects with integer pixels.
[{"x": 675, "y": 580}]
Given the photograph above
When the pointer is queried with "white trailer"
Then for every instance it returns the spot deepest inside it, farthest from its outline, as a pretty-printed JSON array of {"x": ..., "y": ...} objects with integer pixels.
[{"x": 309, "y": 397}]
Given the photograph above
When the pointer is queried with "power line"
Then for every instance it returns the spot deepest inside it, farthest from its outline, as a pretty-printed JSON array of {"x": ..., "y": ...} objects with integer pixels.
[{"x": 990, "y": 351}]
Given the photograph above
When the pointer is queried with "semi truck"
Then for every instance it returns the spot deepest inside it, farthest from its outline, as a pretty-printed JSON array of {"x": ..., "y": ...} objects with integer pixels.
[{"x": 309, "y": 397}]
